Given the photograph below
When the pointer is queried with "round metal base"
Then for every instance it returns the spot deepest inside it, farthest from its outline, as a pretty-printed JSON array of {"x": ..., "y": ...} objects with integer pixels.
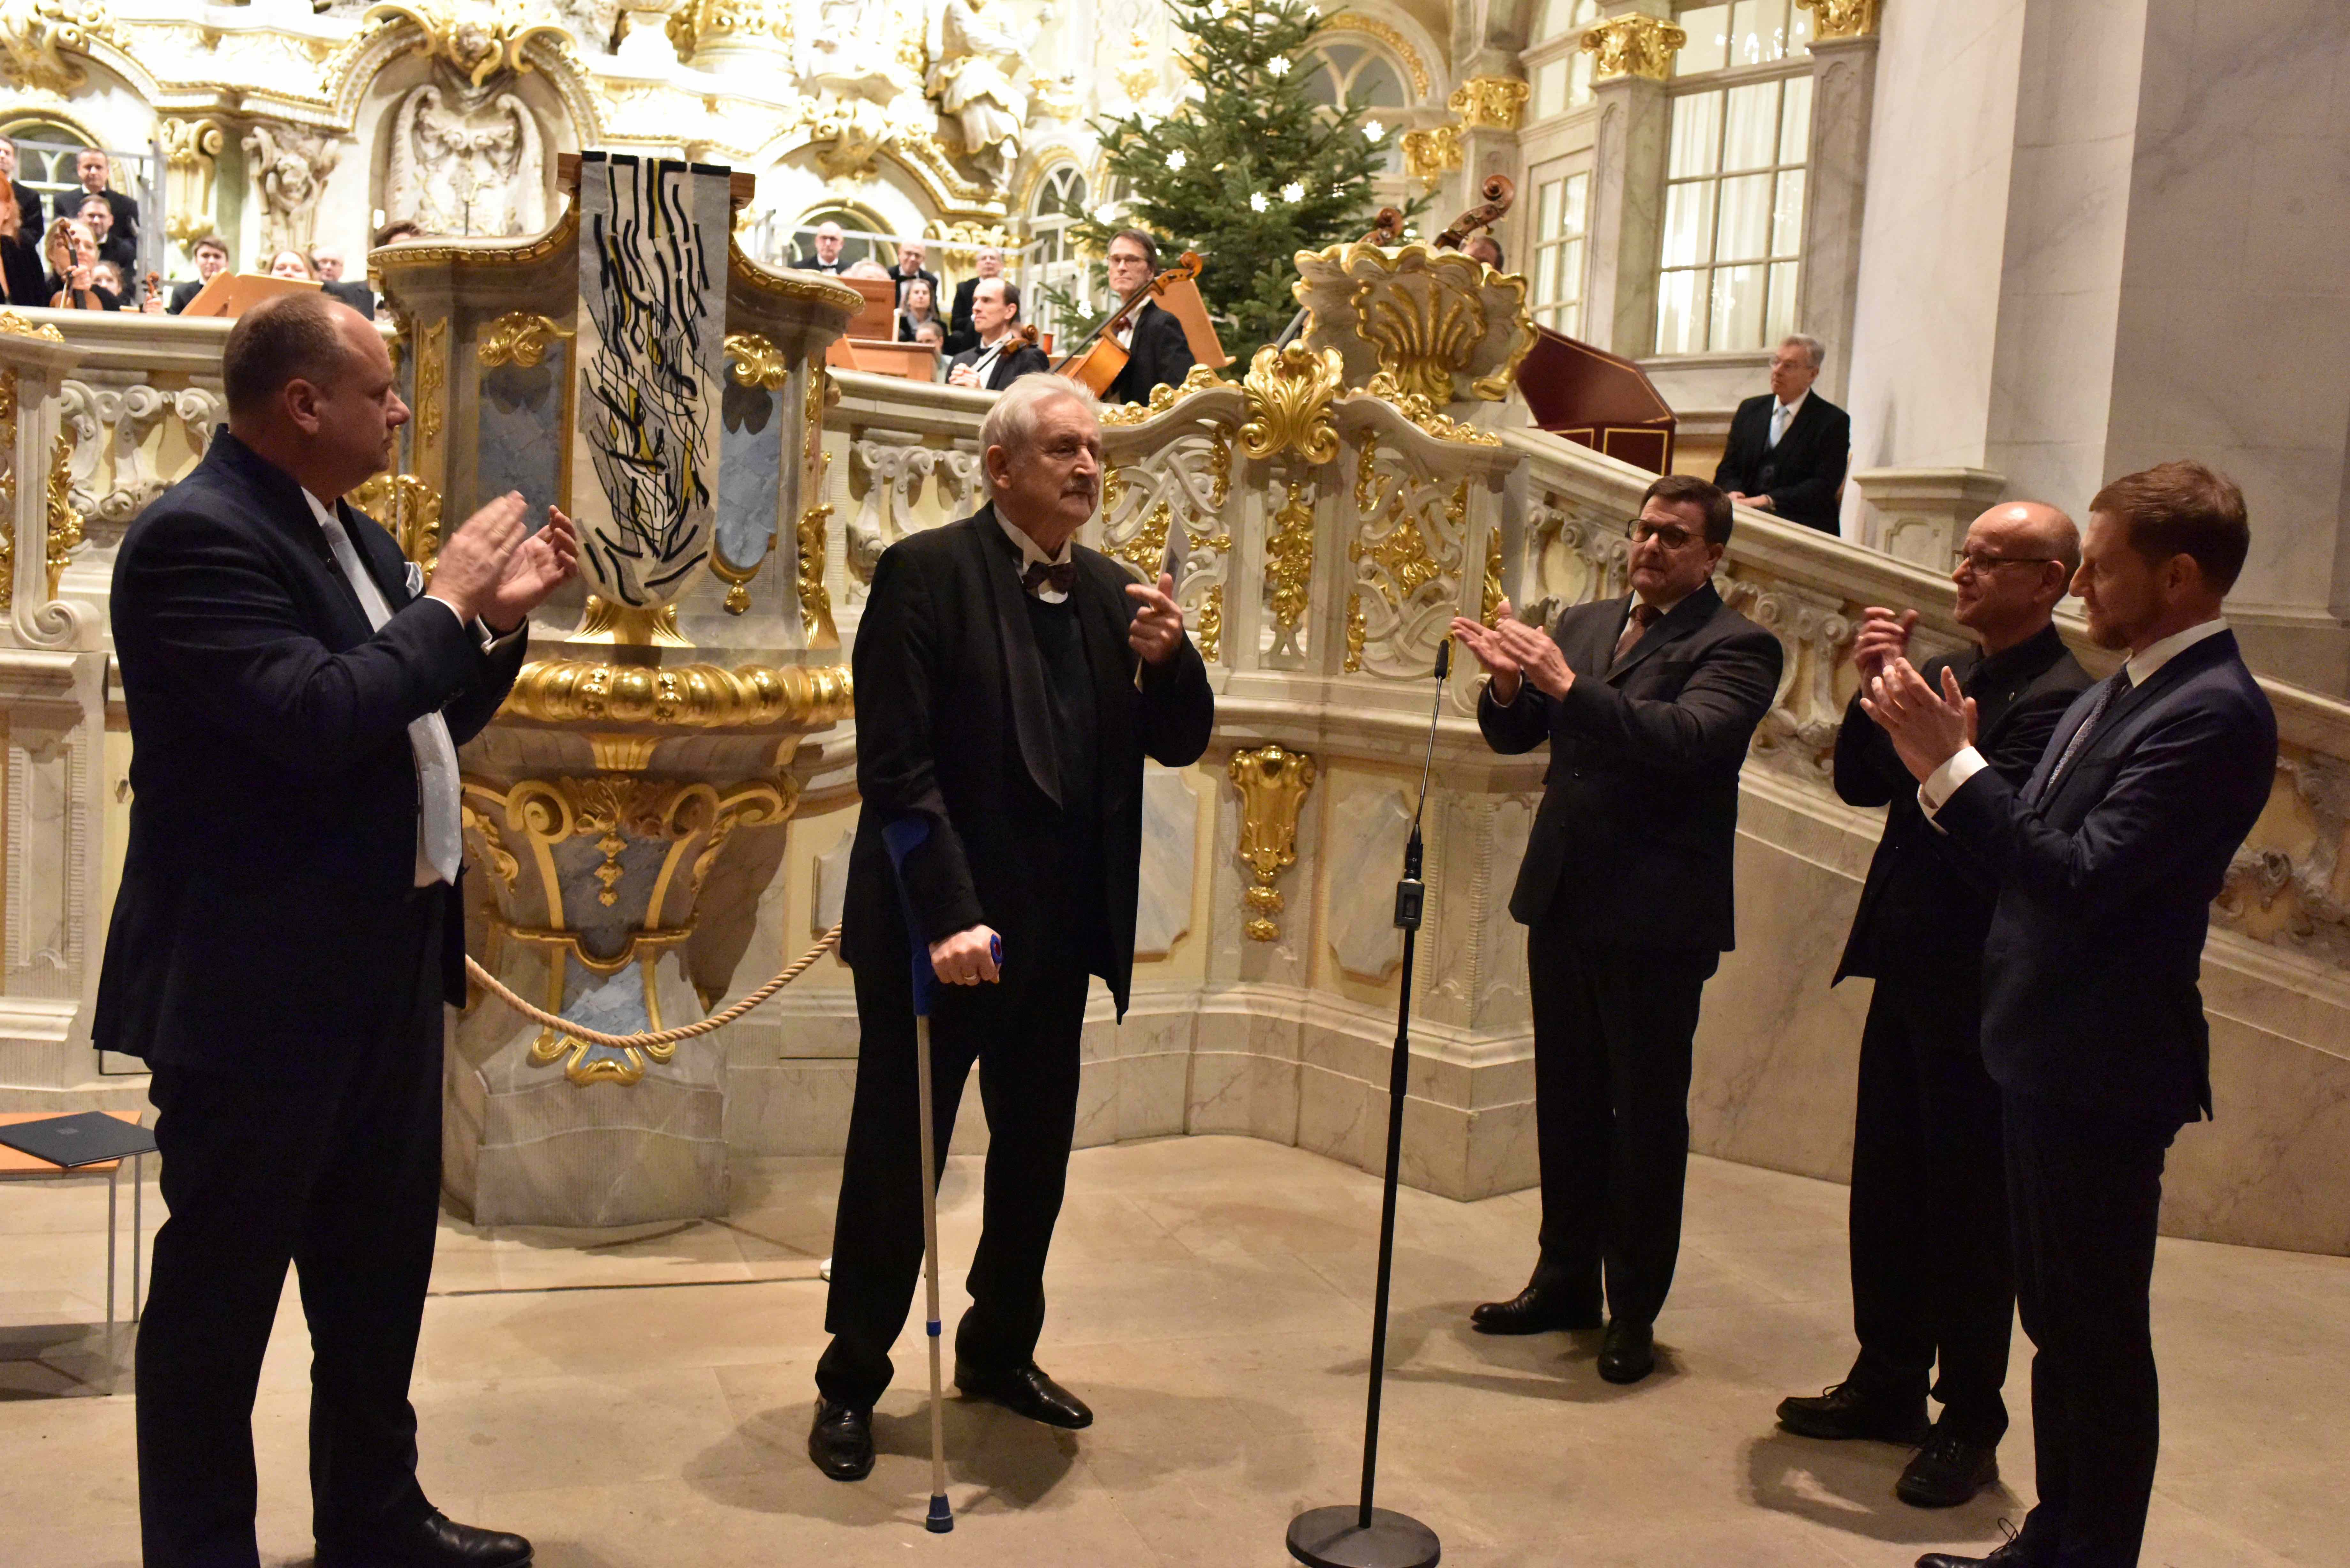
[{"x": 1332, "y": 1538}]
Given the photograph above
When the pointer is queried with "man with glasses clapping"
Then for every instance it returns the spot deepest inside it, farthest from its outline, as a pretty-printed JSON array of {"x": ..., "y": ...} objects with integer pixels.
[
  {"x": 1932, "y": 1280},
  {"x": 1648, "y": 701}
]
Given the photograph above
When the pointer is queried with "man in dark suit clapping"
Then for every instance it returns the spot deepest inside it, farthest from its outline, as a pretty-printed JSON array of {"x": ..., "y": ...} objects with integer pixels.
[
  {"x": 1788, "y": 448},
  {"x": 1009, "y": 684},
  {"x": 290, "y": 925},
  {"x": 2106, "y": 860},
  {"x": 1930, "y": 1272},
  {"x": 1649, "y": 702}
]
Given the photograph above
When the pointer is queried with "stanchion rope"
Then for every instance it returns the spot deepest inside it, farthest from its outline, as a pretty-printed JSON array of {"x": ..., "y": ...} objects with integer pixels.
[{"x": 791, "y": 971}]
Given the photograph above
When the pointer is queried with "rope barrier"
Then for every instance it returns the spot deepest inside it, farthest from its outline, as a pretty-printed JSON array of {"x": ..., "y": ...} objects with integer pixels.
[{"x": 791, "y": 971}]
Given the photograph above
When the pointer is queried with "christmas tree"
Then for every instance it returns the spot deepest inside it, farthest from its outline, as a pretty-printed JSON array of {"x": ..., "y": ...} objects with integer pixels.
[{"x": 1245, "y": 167}]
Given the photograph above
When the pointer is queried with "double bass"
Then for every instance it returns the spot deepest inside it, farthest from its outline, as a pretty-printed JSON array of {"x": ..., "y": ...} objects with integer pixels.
[{"x": 1098, "y": 360}]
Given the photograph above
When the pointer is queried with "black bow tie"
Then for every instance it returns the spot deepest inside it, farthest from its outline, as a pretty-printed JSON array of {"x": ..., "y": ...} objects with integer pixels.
[{"x": 1060, "y": 576}]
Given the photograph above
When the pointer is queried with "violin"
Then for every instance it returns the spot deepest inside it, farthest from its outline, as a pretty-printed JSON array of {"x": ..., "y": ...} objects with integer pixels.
[
  {"x": 1097, "y": 361},
  {"x": 1499, "y": 192},
  {"x": 154, "y": 289}
]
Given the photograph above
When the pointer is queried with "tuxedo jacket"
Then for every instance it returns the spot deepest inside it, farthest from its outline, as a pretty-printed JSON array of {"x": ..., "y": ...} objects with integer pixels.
[
  {"x": 67, "y": 204},
  {"x": 953, "y": 726},
  {"x": 811, "y": 264},
  {"x": 1633, "y": 841},
  {"x": 1160, "y": 356},
  {"x": 1010, "y": 365},
  {"x": 1804, "y": 473},
  {"x": 352, "y": 291},
  {"x": 2105, "y": 882},
  {"x": 274, "y": 807},
  {"x": 901, "y": 278},
  {"x": 1925, "y": 908},
  {"x": 962, "y": 333},
  {"x": 183, "y": 293}
]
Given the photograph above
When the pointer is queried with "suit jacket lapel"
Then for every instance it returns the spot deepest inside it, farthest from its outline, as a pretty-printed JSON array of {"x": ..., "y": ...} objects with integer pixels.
[
  {"x": 1024, "y": 667},
  {"x": 369, "y": 541},
  {"x": 2127, "y": 701},
  {"x": 1594, "y": 641},
  {"x": 1680, "y": 621}
]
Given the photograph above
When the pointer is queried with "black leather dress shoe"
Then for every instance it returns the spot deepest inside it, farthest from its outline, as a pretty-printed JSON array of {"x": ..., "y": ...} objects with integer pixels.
[
  {"x": 1534, "y": 1311},
  {"x": 435, "y": 1542},
  {"x": 841, "y": 1441},
  {"x": 1026, "y": 1391},
  {"x": 1949, "y": 1471},
  {"x": 2008, "y": 1556},
  {"x": 1629, "y": 1352},
  {"x": 1850, "y": 1410}
]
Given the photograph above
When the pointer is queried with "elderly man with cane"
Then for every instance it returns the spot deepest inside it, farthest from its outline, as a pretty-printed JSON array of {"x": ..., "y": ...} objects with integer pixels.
[{"x": 1008, "y": 685}]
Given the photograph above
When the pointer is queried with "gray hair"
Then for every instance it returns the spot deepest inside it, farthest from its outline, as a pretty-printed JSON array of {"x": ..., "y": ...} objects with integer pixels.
[
  {"x": 1811, "y": 346},
  {"x": 1011, "y": 422}
]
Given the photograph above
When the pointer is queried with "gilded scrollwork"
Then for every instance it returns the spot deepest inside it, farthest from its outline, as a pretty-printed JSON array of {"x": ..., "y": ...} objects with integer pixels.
[
  {"x": 1163, "y": 396},
  {"x": 432, "y": 396},
  {"x": 752, "y": 361},
  {"x": 1407, "y": 557},
  {"x": 1841, "y": 18},
  {"x": 1273, "y": 782},
  {"x": 682, "y": 696},
  {"x": 1438, "y": 323},
  {"x": 1289, "y": 567},
  {"x": 38, "y": 35},
  {"x": 519, "y": 338},
  {"x": 1490, "y": 103},
  {"x": 479, "y": 41},
  {"x": 409, "y": 511},
  {"x": 1288, "y": 393},
  {"x": 64, "y": 530}
]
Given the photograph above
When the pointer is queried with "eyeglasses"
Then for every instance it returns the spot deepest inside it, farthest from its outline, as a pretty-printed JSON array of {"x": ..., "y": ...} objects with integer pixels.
[
  {"x": 1672, "y": 536},
  {"x": 1976, "y": 561}
]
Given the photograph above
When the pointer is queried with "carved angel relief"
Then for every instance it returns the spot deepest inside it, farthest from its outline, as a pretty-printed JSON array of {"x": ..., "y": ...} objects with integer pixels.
[{"x": 467, "y": 162}]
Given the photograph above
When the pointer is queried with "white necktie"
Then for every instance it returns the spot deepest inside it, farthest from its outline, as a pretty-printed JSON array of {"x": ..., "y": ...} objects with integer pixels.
[
  {"x": 1779, "y": 417},
  {"x": 439, "y": 844}
]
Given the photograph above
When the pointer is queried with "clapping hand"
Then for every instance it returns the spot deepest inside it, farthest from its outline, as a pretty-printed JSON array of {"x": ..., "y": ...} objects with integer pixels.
[
  {"x": 540, "y": 565},
  {"x": 1510, "y": 650},
  {"x": 1884, "y": 637},
  {"x": 494, "y": 570},
  {"x": 1928, "y": 729}
]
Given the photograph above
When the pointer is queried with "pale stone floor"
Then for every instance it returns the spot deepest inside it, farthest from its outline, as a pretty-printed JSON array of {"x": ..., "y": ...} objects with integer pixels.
[{"x": 642, "y": 1399}]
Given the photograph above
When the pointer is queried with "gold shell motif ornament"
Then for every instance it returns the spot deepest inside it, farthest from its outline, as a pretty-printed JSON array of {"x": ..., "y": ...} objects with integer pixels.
[
  {"x": 1273, "y": 782},
  {"x": 1437, "y": 322}
]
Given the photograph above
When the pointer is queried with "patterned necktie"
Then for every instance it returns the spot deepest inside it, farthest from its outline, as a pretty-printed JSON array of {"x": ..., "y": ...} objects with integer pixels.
[
  {"x": 2113, "y": 684},
  {"x": 1636, "y": 626},
  {"x": 439, "y": 844},
  {"x": 1060, "y": 576}
]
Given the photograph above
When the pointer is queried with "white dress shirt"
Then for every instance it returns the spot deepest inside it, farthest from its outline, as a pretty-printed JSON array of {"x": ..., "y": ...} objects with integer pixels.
[
  {"x": 2140, "y": 668},
  {"x": 440, "y": 843},
  {"x": 1030, "y": 556}
]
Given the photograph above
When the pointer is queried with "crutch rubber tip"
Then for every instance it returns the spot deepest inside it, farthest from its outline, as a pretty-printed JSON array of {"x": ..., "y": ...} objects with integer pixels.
[{"x": 942, "y": 1519}]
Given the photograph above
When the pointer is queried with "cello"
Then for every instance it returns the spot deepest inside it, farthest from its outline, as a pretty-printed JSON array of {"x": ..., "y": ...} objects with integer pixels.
[
  {"x": 1499, "y": 192},
  {"x": 1098, "y": 360}
]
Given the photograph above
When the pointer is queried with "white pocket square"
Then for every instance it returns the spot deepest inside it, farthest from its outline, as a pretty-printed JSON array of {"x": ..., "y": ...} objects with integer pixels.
[{"x": 415, "y": 579}]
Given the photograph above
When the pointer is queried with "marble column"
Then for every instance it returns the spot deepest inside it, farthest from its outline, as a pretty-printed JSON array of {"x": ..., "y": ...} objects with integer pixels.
[
  {"x": 1844, "y": 98},
  {"x": 1634, "y": 50}
]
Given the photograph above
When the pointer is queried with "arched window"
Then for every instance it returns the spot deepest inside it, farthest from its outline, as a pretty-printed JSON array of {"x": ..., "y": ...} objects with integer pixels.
[
  {"x": 45, "y": 155},
  {"x": 1560, "y": 70},
  {"x": 1357, "y": 72},
  {"x": 1057, "y": 207},
  {"x": 867, "y": 235}
]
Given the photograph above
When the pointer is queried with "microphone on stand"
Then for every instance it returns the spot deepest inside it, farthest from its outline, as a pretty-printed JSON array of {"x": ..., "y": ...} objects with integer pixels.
[{"x": 1363, "y": 1536}]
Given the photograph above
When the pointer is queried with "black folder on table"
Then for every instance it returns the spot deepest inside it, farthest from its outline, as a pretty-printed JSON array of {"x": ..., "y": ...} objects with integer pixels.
[{"x": 87, "y": 1137}]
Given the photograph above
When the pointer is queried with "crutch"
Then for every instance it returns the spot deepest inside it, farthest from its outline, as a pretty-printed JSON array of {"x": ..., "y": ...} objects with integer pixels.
[{"x": 903, "y": 837}]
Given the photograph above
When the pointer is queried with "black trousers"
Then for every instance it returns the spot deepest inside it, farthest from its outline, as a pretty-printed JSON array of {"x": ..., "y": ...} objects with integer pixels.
[
  {"x": 1932, "y": 1275},
  {"x": 1613, "y": 1028},
  {"x": 2085, "y": 1193},
  {"x": 340, "y": 1174},
  {"x": 1023, "y": 1031}
]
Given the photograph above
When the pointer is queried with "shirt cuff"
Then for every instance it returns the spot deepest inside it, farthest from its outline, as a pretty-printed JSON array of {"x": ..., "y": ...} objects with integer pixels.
[
  {"x": 492, "y": 641},
  {"x": 1944, "y": 781}
]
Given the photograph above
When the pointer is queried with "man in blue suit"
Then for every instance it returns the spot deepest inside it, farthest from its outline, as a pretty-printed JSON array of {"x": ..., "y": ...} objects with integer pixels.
[{"x": 2106, "y": 860}]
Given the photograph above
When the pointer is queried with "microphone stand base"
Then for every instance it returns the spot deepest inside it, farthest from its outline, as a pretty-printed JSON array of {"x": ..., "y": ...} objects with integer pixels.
[{"x": 1335, "y": 1538}]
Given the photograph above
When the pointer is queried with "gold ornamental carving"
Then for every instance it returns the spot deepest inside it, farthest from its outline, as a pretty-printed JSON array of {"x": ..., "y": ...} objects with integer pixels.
[
  {"x": 629, "y": 625},
  {"x": 1490, "y": 103},
  {"x": 432, "y": 396},
  {"x": 479, "y": 40},
  {"x": 1438, "y": 323},
  {"x": 1633, "y": 46},
  {"x": 697, "y": 22},
  {"x": 1841, "y": 18},
  {"x": 1163, "y": 396},
  {"x": 14, "y": 326},
  {"x": 36, "y": 36},
  {"x": 1489, "y": 609},
  {"x": 1288, "y": 393},
  {"x": 410, "y": 509},
  {"x": 815, "y": 599},
  {"x": 192, "y": 149},
  {"x": 1273, "y": 782},
  {"x": 681, "y": 697},
  {"x": 1211, "y": 623},
  {"x": 1289, "y": 561},
  {"x": 63, "y": 530},
  {"x": 519, "y": 338},
  {"x": 1431, "y": 153},
  {"x": 1392, "y": 37},
  {"x": 756, "y": 362},
  {"x": 1423, "y": 413},
  {"x": 7, "y": 482}
]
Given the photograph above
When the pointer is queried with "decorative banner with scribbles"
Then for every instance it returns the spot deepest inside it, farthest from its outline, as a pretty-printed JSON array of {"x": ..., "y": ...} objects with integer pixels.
[{"x": 651, "y": 356}]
